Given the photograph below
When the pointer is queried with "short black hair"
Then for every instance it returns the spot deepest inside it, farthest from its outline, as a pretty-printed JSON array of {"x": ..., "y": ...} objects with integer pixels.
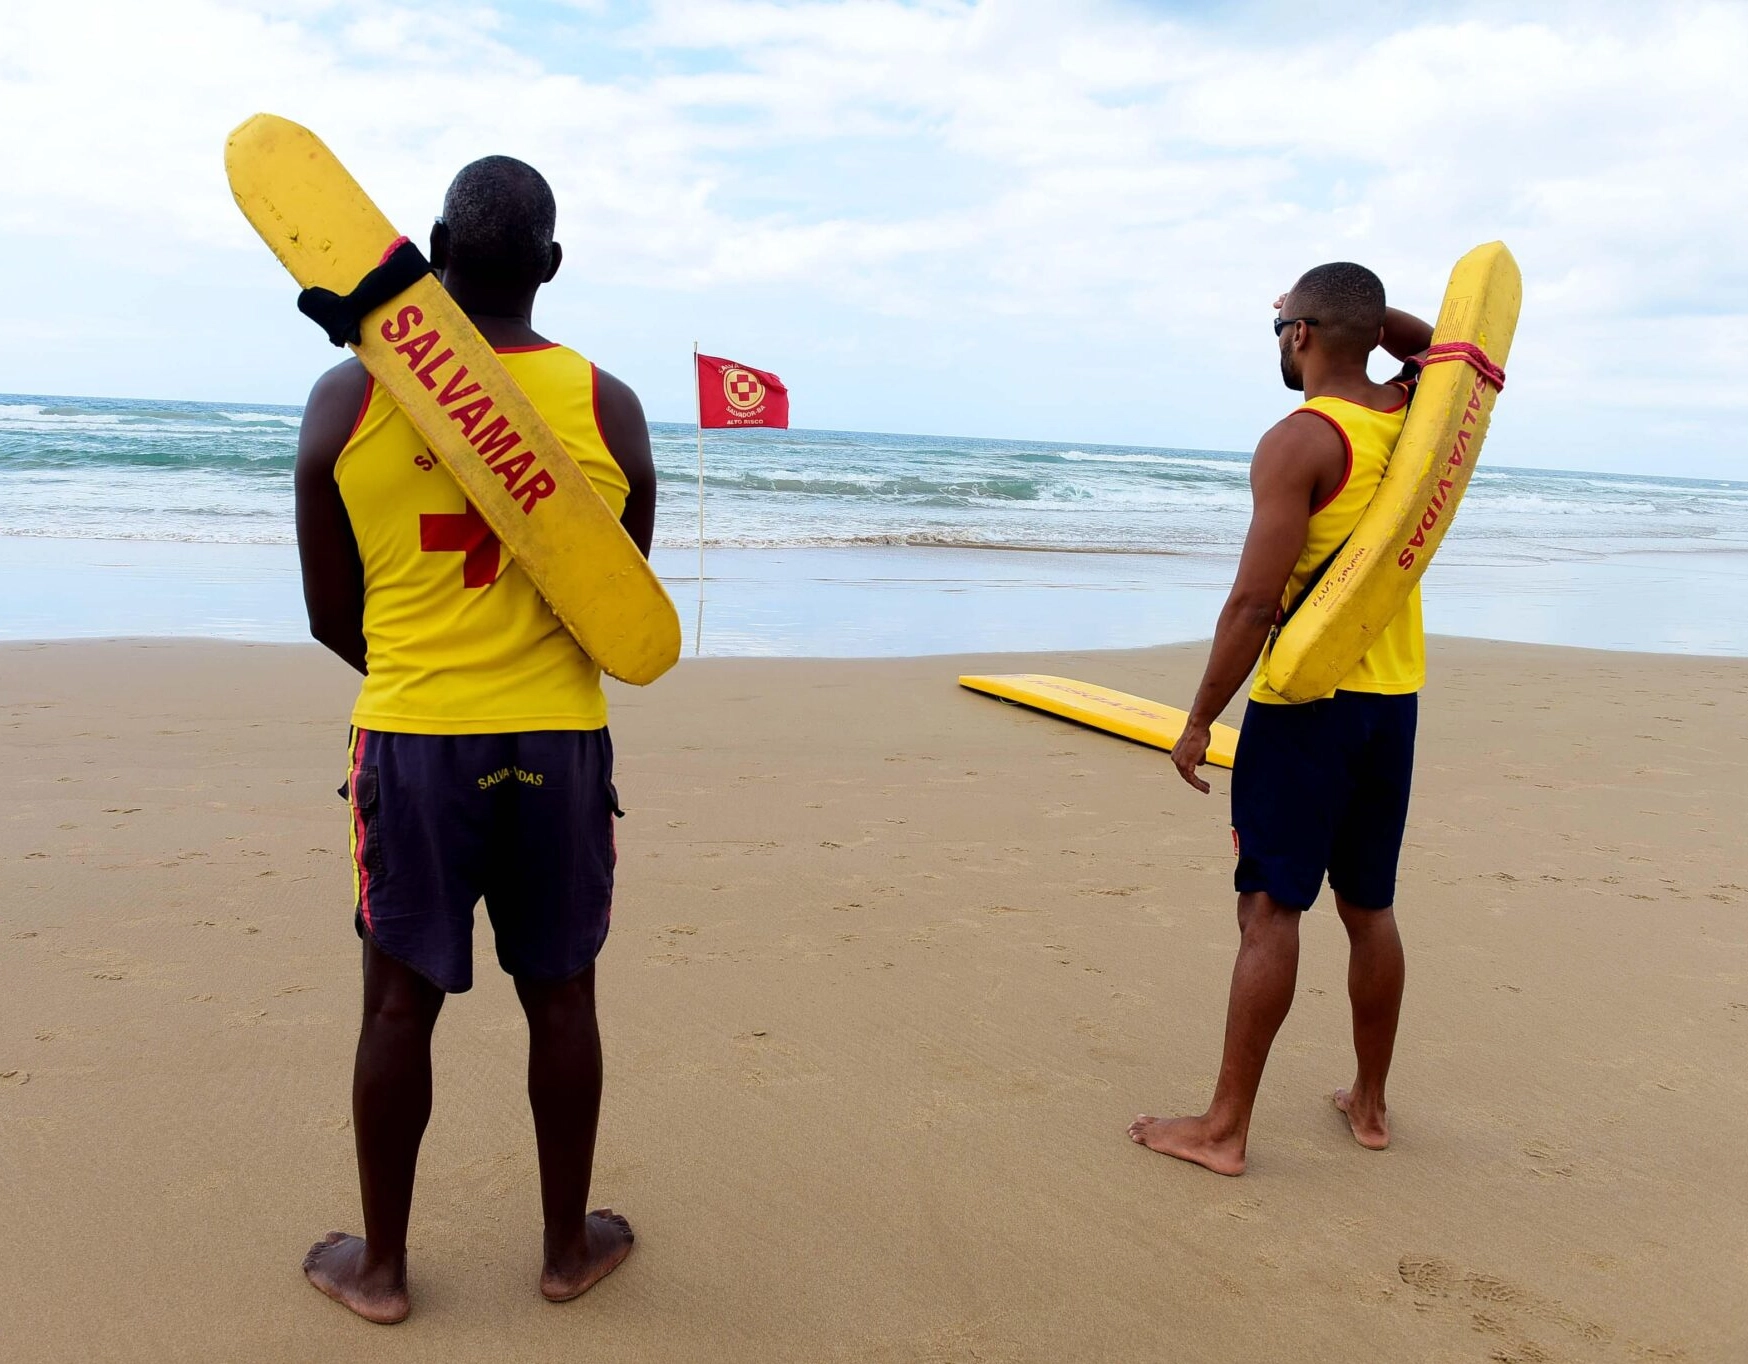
[
  {"x": 1348, "y": 302},
  {"x": 500, "y": 214}
]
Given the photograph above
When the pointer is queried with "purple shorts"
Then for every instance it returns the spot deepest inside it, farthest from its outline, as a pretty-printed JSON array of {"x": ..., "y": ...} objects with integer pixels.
[{"x": 524, "y": 821}]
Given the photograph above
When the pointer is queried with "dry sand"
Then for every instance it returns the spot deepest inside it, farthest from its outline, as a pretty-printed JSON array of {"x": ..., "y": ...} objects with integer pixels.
[{"x": 892, "y": 967}]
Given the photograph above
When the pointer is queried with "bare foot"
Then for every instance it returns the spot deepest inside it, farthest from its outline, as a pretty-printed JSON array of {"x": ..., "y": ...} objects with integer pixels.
[
  {"x": 608, "y": 1238},
  {"x": 336, "y": 1265},
  {"x": 1365, "y": 1121},
  {"x": 1189, "y": 1139}
]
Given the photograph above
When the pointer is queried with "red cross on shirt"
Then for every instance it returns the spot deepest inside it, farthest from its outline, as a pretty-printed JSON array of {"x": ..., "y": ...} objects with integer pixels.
[{"x": 467, "y": 532}]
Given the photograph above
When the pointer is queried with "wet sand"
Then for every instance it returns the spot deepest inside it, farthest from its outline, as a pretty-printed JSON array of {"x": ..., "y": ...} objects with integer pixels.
[{"x": 892, "y": 967}]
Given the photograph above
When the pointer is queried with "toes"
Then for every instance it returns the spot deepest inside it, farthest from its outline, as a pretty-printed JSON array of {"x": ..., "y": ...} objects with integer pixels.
[{"x": 319, "y": 1251}]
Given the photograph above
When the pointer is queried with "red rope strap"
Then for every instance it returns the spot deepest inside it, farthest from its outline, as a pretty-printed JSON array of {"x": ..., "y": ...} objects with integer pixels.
[{"x": 1473, "y": 356}]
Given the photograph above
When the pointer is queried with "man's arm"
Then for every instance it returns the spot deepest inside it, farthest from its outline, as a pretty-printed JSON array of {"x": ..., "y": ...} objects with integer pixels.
[
  {"x": 1404, "y": 334},
  {"x": 1284, "y": 475},
  {"x": 627, "y": 437},
  {"x": 333, "y": 576}
]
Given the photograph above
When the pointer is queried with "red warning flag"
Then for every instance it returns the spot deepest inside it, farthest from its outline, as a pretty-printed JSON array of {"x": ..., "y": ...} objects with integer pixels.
[{"x": 733, "y": 394}]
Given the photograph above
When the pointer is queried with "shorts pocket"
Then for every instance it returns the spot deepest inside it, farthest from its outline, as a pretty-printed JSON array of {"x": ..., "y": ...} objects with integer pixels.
[
  {"x": 613, "y": 813},
  {"x": 367, "y": 821}
]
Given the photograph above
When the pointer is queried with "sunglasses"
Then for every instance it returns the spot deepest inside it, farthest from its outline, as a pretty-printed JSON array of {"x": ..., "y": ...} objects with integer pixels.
[{"x": 1282, "y": 323}]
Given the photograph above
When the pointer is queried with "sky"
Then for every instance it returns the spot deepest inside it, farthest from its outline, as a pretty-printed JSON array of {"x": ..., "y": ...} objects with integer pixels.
[{"x": 1045, "y": 219}]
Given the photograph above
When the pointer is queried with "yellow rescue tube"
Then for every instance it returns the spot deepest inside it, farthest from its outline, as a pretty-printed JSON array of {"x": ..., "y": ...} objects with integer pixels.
[
  {"x": 328, "y": 234},
  {"x": 1115, "y": 712},
  {"x": 1371, "y": 577}
]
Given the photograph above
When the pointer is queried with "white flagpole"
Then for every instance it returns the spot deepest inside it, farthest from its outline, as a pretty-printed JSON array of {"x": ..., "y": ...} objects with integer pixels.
[{"x": 698, "y": 397}]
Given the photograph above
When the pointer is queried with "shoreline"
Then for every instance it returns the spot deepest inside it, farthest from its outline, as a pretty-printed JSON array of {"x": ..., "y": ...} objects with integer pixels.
[
  {"x": 908, "y": 601},
  {"x": 983, "y": 659},
  {"x": 892, "y": 966}
]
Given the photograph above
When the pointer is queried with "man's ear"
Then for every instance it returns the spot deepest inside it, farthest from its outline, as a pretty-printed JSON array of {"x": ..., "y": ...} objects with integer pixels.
[
  {"x": 552, "y": 263},
  {"x": 439, "y": 246}
]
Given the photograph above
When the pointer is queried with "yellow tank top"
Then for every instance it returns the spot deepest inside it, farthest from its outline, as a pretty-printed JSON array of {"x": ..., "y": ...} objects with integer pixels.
[
  {"x": 1396, "y": 663},
  {"x": 457, "y": 639}
]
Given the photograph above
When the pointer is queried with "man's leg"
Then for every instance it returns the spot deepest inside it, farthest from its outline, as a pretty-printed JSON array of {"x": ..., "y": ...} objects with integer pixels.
[
  {"x": 1375, "y": 975},
  {"x": 391, "y": 1103},
  {"x": 564, "y": 1089},
  {"x": 1262, "y": 993}
]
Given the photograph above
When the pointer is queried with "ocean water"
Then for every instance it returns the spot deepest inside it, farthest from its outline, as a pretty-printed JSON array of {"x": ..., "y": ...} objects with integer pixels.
[{"x": 165, "y": 517}]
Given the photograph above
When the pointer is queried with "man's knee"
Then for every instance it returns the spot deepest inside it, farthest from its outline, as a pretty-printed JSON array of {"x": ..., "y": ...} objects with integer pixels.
[
  {"x": 1364, "y": 918},
  {"x": 1260, "y": 912},
  {"x": 558, "y": 1003},
  {"x": 395, "y": 995},
  {"x": 403, "y": 1010}
]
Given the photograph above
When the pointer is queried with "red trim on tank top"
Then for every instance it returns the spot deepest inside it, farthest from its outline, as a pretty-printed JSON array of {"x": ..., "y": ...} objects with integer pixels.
[
  {"x": 1394, "y": 383},
  {"x": 524, "y": 350},
  {"x": 363, "y": 407},
  {"x": 1346, "y": 445}
]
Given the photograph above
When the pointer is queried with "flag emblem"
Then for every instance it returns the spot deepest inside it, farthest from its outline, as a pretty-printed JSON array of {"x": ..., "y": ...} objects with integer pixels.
[{"x": 743, "y": 389}]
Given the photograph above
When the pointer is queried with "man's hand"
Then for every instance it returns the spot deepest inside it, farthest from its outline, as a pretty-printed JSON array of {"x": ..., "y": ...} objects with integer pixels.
[{"x": 1190, "y": 752}]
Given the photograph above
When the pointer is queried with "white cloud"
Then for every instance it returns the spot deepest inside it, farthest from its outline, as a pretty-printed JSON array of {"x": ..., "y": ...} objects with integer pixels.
[{"x": 984, "y": 185}]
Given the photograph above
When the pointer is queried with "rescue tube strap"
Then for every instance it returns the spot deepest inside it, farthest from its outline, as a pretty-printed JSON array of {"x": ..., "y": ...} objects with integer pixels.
[
  {"x": 1472, "y": 355},
  {"x": 342, "y": 316}
]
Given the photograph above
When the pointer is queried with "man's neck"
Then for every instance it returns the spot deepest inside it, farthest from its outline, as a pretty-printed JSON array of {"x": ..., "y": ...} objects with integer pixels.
[
  {"x": 503, "y": 316},
  {"x": 1345, "y": 380}
]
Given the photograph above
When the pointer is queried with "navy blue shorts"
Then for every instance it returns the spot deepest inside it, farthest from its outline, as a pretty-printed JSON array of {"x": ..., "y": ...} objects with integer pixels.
[
  {"x": 523, "y": 820},
  {"x": 1323, "y": 787}
]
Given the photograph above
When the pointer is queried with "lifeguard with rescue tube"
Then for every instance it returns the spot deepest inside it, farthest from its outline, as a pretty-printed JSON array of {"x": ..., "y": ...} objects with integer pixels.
[
  {"x": 372, "y": 289},
  {"x": 1350, "y": 494}
]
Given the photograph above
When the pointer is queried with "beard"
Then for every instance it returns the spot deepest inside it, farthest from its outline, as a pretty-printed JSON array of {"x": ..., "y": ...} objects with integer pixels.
[{"x": 1291, "y": 375}]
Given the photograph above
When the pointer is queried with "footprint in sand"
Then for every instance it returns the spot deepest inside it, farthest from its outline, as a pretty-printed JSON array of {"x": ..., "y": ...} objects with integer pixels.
[{"x": 1495, "y": 1306}]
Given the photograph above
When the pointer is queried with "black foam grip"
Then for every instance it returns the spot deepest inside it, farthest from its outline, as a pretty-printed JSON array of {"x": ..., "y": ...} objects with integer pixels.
[{"x": 342, "y": 316}]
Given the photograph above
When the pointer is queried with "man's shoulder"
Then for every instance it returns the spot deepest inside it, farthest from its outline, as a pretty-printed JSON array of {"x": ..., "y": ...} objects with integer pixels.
[
  {"x": 335, "y": 404},
  {"x": 1304, "y": 430},
  {"x": 348, "y": 379}
]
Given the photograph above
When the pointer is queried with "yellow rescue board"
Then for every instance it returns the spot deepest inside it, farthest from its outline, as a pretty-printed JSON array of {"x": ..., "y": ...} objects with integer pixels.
[
  {"x": 1115, "y": 712},
  {"x": 328, "y": 234},
  {"x": 1409, "y": 514}
]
